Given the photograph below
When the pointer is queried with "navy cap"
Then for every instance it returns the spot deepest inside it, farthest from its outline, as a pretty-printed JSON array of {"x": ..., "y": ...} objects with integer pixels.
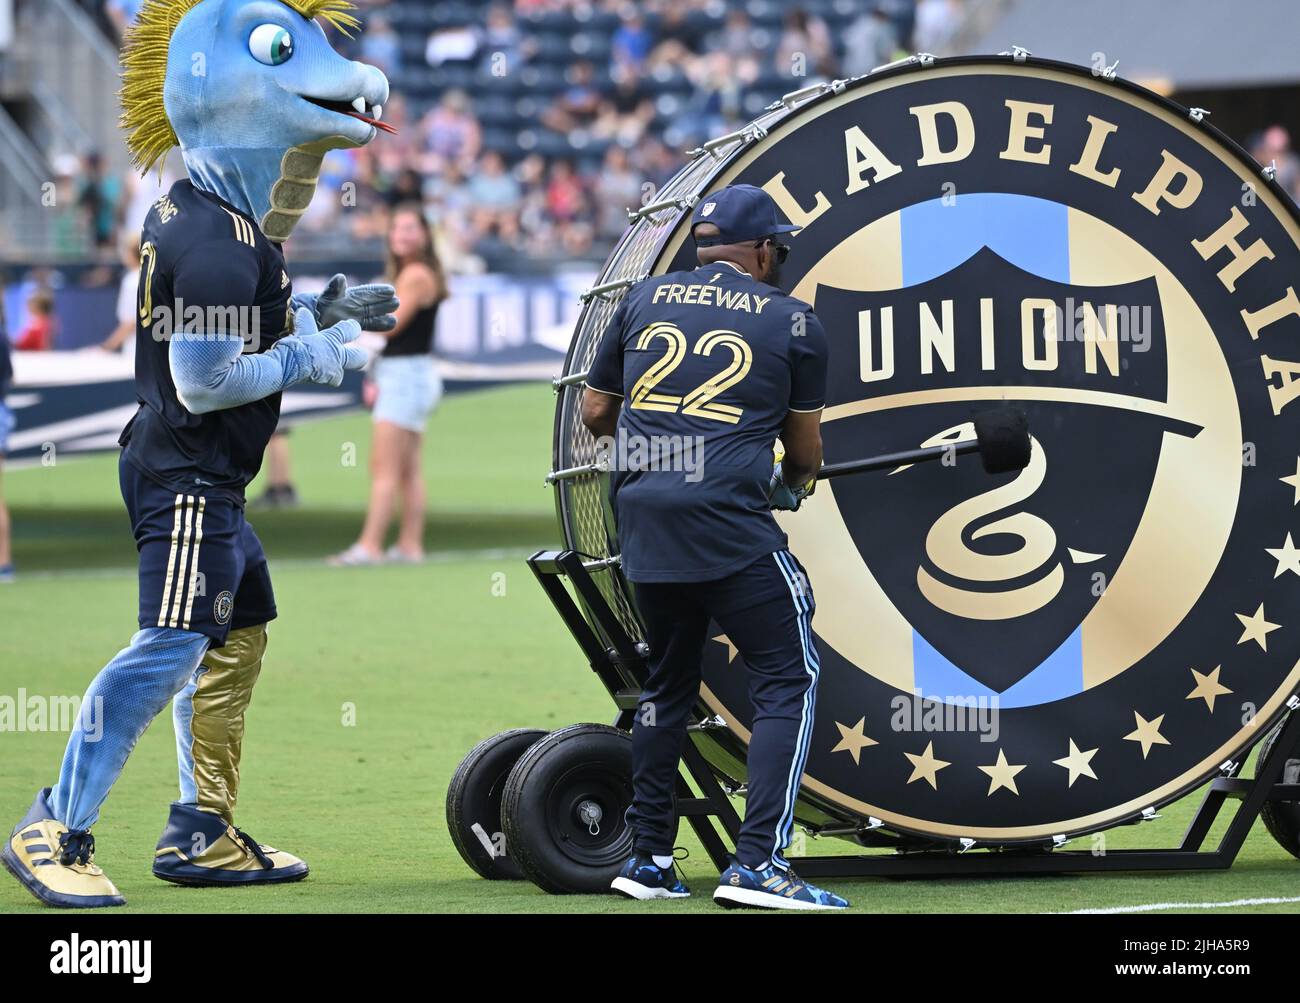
[{"x": 741, "y": 213}]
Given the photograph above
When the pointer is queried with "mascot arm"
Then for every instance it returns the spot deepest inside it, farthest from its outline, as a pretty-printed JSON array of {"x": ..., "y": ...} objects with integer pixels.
[
  {"x": 207, "y": 357},
  {"x": 213, "y": 373}
]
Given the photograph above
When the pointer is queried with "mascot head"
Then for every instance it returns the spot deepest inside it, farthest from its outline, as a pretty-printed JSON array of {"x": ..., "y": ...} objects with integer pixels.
[{"x": 254, "y": 95}]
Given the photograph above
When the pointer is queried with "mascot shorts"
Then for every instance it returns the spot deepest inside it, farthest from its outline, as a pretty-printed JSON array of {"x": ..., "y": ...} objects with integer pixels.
[{"x": 202, "y": 567}]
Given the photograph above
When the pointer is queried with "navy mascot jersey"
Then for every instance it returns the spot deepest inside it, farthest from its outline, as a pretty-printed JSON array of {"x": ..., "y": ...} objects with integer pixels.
[
  {"x": 709, "y": 363},
  {"x": 205, "y": 267}
]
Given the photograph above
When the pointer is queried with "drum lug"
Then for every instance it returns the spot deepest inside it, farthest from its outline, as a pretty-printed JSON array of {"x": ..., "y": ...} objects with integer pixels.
[
  {"x": 609, "y": 287},
  {"x": 680, "y": 204}
]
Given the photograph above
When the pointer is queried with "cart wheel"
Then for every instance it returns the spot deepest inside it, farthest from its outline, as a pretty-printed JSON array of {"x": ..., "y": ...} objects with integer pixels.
[
  {"x": 474, "y": 802},
  {"x": 564, "y": 806},
  {"x": 1282, "y": 818}
]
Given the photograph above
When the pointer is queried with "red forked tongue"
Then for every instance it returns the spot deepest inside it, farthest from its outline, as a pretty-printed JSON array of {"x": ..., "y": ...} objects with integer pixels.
[{"x": 373, "y": 121}]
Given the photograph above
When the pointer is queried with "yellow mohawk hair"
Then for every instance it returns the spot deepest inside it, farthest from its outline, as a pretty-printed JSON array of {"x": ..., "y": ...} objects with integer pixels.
[{"x": 144, "y": 69}]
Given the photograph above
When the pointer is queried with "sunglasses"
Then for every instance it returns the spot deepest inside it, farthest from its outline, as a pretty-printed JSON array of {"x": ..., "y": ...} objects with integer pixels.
[{"x": 782, "y": 250}]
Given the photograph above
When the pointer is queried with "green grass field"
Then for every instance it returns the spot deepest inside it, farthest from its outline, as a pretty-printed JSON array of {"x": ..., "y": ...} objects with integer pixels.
[{"x": 432, "y": 659}]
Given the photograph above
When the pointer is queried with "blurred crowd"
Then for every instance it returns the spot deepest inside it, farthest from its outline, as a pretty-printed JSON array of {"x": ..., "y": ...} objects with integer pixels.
[
  {"x": 527, "y": 129},
  {"x": 524, "y": 154}
]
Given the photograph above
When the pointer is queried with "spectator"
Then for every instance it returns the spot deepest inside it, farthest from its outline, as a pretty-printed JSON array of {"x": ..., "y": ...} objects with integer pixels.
[
  {"x": 870, "y": 41},
  {"x": 452, "y": 133},
  {"x": 380, "y": 45},
  {"x": 617, "y": 189},
  {"x": 565, "y": 199},
  {"x": 99, "y": 198},
  {"x": 627, "y": 113},
  {"x": 578, "y": 105},
  {"x": 495, "y": 195},
  {"x": 631, "y": 43},
  {"x": 1273, "y": 146},
  {"x": 405, "y": 391},
  {"x": 128, "y": 293},
  {"x": 679, "y": 41},
  {"x": 38, "y": 334},
  {"x": 805, "y": 47},
  {"x": 936, "y": 22},
  {"x": 505, "y": 48}
]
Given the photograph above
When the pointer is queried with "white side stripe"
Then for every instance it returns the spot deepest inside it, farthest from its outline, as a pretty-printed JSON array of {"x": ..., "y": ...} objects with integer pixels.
[
  {"x": 811, "y": 666},
  {"x": 164, "y": 604},
  {"x": 182, "y": 565},
  {"x": 193, "y": 577}
]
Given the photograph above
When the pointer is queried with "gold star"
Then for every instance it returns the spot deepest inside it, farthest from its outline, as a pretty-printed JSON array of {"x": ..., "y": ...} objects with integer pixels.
[
  {"x": 1287, "y": 557},
  {"x": 732, "y": 650},
  {"x": 926, "y": 766},
  {"x": 1147, "y": 732},
  {"x": 1077, "y": 763},
  {"x": 852, "y": 740},
  {"x": 1002, "y": 774},
  {"x": 1256, "y": 628},
  {"x": 1294, "y": 481},
  {"x": 1208, "y": 687}
]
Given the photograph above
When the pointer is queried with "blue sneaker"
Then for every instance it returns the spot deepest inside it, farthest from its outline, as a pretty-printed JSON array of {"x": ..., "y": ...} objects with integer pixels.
[
  {"x": 641, "y": 878},
  {"x": 771, "y": 888}
]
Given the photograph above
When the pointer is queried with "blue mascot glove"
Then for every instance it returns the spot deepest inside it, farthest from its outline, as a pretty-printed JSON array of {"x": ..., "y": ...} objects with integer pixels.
[
  {"x": 781, "y": 496},
  {"x": 372, "y": 306},
  {"x": 322, "y": 356}
]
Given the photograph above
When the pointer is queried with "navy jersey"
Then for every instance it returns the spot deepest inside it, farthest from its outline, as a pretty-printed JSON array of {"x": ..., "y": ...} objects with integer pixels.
[
  {"x": 709, "y": 363},
  {"x": 205, "y": 266}
]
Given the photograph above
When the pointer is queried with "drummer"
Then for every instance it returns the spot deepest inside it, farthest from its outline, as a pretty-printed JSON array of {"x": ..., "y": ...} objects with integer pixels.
[{"x": 697, "y": 375}]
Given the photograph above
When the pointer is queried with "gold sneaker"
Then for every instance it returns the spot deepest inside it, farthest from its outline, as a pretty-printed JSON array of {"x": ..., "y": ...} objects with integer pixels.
[
  {"x": 55, "y": 865},
  {"x": 200, "y": 848}
]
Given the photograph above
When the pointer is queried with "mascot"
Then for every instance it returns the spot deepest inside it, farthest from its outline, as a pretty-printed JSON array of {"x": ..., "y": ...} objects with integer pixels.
[{"x": 255, "y": 96}]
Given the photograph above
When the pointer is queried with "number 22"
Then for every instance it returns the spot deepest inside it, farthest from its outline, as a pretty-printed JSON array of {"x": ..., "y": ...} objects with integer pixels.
[{"x": 700, "y": 401}]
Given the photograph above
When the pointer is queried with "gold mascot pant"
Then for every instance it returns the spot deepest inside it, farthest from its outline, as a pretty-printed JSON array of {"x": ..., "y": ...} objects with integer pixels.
[{"x": 209, "y": 718}]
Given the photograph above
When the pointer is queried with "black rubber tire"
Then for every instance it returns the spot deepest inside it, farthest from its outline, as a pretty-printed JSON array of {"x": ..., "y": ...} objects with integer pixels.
[
  {"x": 584, "y": 767},
  {"x": 474, "y": 799},
  {"x": 1282, "y": 818}
]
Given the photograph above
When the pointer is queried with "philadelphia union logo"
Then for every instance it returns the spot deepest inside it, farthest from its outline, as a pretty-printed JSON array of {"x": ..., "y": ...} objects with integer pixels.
[
  {"x": 223, "y": 607},
  {"x": 1054, "y": 650}
]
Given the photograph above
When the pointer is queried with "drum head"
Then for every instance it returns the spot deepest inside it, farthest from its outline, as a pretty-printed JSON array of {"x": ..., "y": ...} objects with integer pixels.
[{"x": 1012, "y": 657}]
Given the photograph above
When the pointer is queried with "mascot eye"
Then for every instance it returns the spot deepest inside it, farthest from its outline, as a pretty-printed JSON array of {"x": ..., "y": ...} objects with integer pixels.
[{"x": 270, "y": 44}]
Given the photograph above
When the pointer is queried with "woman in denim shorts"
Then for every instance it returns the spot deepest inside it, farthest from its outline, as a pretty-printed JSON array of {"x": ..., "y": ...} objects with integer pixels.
[{"x": 407, "y": 388}]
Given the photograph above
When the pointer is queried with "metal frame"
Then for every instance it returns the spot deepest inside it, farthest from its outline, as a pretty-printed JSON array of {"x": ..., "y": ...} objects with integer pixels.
[{"x": 622, "y": 669}]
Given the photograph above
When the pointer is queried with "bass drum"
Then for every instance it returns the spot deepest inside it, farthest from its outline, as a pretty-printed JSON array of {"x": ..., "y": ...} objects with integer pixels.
[{"x": 1010, "y": 659}]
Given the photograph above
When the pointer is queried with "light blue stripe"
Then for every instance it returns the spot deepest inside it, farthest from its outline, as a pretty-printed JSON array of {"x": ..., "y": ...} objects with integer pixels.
[
  {"x": 1058, "y": 676},
  {"x": 1031, "y": 233},
  {"x": 183, "y": 721}
]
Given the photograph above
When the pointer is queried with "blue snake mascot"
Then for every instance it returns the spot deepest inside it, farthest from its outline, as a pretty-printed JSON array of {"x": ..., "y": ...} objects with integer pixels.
[{"x": 255, "y": 96}]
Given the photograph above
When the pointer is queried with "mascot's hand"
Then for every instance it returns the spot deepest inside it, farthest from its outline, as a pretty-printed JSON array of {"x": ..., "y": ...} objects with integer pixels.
[
  {"x": 372, "y": 306},
  {"x": 323, "y": 356},
  {"x": 780, "y": 495}
]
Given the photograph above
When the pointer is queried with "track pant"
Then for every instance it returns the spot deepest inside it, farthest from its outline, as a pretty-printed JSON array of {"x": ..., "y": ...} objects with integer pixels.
[{"x": 766, "y": 611}]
